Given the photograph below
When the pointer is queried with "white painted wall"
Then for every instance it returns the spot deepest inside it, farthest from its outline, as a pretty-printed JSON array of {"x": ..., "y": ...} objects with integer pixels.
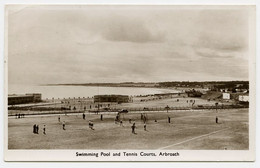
[
  {"x": 243, "y": 98},
  {"x": 226, "y": 96}
]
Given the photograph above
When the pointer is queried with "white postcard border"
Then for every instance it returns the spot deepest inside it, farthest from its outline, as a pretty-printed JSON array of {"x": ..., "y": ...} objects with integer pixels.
[{"x": 185, "y": 155}]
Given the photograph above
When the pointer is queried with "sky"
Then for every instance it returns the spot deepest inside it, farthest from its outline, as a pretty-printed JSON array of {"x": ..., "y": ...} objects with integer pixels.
[{"x": 87, "y": 44}]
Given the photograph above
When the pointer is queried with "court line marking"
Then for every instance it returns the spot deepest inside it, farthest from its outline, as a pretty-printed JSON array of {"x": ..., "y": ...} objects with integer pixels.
[{"x": 193, "y": 138}]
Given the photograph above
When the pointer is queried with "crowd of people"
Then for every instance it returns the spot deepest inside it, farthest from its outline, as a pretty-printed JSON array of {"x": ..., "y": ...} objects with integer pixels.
[
  {"x": 118, "y": 119},
  {"x": 36, "y": 129},
  {"x": 144, "y": 118}
]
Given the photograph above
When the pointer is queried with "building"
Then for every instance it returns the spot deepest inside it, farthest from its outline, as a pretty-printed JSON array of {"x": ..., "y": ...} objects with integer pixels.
[
  {"x": 243, "y": 98},
  {"x": 166, "y": 94},
  {"x": 37, "y": 97},
  {"x": 111, "y": 98},
  {"x": 226, "y": 96},
  {"x": 21, "y": 99}
]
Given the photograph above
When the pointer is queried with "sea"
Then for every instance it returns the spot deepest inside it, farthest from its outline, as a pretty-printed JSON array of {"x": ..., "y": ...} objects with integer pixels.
[{"x": 65, "y": 91}]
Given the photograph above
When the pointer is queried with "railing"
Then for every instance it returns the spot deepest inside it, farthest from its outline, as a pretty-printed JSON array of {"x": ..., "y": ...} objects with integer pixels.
[{"x": 152, "y": 109}]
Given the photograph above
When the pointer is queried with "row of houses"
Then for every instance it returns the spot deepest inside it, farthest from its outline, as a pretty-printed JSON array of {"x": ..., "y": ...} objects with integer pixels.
[{"x": 242, "y": 97}]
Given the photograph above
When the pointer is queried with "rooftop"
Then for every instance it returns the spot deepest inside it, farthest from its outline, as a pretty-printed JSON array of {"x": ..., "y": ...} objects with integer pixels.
[{"x": 15, "y": 95}]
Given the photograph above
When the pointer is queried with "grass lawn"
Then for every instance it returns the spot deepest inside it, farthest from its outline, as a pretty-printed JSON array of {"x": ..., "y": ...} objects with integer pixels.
[{"x": 188, "y": 130}]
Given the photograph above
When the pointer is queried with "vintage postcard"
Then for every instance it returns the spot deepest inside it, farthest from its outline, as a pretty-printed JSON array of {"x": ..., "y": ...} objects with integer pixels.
[{"x": 129, "y": 83}]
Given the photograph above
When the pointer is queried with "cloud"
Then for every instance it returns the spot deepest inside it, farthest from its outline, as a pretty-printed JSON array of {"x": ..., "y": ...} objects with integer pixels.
[
  {"x": 100, "y": 44},
  {"x": 130, "y": 30},
  {"x": 221, "y": 41},
  {"x": 215, "y": 54},
  {"x": 225, "y": 30}
]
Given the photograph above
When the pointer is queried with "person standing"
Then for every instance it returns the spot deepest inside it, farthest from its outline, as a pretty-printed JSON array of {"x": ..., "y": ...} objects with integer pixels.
[
  {"x": 169, "y": 119},
  {"x": 34, "y": 128},
  {"x": 63, "y": 125},
  {"x": 216, "y": 119},
  {"x": 83, "y": 116},
  {"x": 92, "y": 125},
  {"x": 133, "y": 128},
  {"x": 37, "y": 129},
  {"x": 144, "y": 119},
  {"x": 101, "y": 117},
  {"x": 145, "y": 126},
  {"x": 44, "y": 130}
]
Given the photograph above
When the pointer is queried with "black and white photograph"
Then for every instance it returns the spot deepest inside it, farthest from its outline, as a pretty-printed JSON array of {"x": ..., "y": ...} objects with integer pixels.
[{"x": 130, "y": 82}]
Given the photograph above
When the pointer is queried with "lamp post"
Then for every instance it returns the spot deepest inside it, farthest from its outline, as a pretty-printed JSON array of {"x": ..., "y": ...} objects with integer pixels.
[
  {"x": 167, "y": 108},
  {"x": 216, "y": 104}
]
